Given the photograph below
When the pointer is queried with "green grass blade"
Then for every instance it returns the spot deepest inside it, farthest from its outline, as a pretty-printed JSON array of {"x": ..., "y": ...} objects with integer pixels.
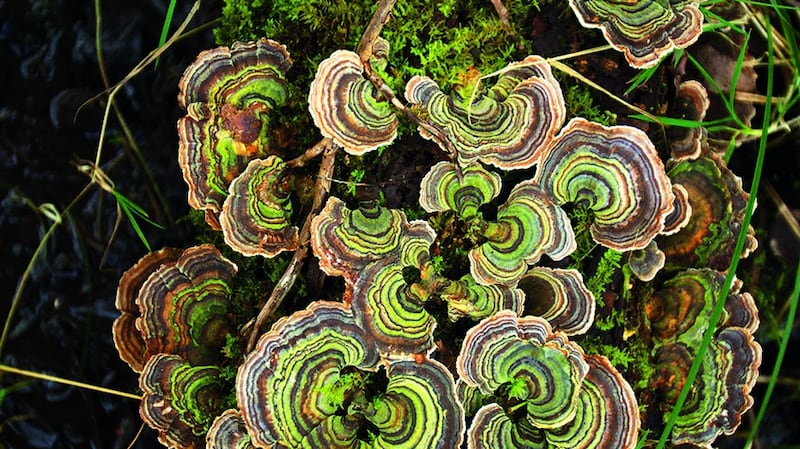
[
  {"x": 641, "y": 78},
  {"x": 719, "y": 306},
  {"x": 738, "y": 71},
  {"x": 787, "y": 332},
  {"x": 165, "y": 28}
]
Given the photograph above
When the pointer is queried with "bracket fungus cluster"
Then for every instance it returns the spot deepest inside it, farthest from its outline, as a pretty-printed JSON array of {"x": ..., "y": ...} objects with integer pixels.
[
  {"x": 495, "y": 348},
  {"x": 311, "y": 382},
  {"x": 180, "y": 304},
  {"x": 678, "y": 315},
  {"x": 503, "y": 126},
  {"x": 228, "y": 94},
  {"x": 347, "y": 108},
  {"x": 542, "y": 389},
  {"x": 645, "y": 30}
]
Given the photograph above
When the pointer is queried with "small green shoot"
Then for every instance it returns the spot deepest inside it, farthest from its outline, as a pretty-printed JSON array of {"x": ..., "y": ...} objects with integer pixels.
[
  {"x": 356, "y": 175},
  {"x": 132, "y": 211},
  {"x": 165, "y": 28}
]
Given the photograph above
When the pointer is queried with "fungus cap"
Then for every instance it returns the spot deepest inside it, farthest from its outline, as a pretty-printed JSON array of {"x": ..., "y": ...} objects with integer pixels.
[
  {"x": 529, "y": 224},
  {"x": 185, "y": 307},
  {"x": 127, "y": 339},
  {"x": 717, "y": 202},
  {"x": 559, "y": 296},
  {"x": 447, "y": 186},
  {"x": 691, "y": 103},
  {"x": 347, "y": 108},
  {"x": 505, "y": 125},
  {"x": 346, "y": 241},
  {"x": 617, "y": 173},
  {"x": 180, "y": 400},
  {"x": 287, "y": 387},
  {"x": 644, "y": 30},
  {"x": 256, "y": 215},
  {"x": 228, "y": 432},
  {"x": 228, "y": 94},
  {"x": 523, "y": 358}
]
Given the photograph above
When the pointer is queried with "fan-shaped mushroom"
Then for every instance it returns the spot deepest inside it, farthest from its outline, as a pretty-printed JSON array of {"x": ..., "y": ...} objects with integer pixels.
[
  {"x": 645, "y": 30},
  {"x": 462, "y": 189},
  {"x": 256, "y": 215},
  {"x": 560, "y": 297},
  {"x": 228, "y": 94},
  {"x": 180, "y": 400},
  {"x": 185, "y": 307},
  {"x": 616, "y": 172},
  {"x": 717, "y": 202},
  {"x": 304, "y": 371},
  {"x": 528, "y": 225},
  {"x": 127, "y": 339},
  {"x": 503, "y": 126},
  {"x": 347, "y": 108}
]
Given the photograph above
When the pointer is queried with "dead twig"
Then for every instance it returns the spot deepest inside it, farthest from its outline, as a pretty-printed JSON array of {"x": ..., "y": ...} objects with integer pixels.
[{"x": 289, "y": 276}]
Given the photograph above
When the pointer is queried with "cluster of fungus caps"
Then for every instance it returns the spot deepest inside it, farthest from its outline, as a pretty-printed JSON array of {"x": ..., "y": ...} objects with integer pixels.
[
  {"x": 360, "y": 373},
  {"x": 176, "y": 316},
  {"x": 225, "y": 149}
]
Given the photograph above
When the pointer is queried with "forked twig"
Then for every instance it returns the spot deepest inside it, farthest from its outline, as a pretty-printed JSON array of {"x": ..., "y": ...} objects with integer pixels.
[{"x": 289, "y": 276}]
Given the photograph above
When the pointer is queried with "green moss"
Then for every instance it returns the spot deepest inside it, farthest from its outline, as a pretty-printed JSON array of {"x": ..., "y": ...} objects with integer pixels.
[
  {"x": 631, "y": 357},
  {"x": 581, "y": 103},
  {"x": 600, "y": 266}
]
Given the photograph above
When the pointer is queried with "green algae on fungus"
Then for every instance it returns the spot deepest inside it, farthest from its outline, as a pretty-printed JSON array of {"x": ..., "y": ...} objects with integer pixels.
[
  {"x": 644, "y": 30},
  {"x": 347, "y": 108},
  {"x": 504, "y": 125},
  {"x": 180, "y": 400},
  {"x": 228, "y": 94},
  {"x": 317, "y": 366},
  {"x": 617, "y": 173},
  {"x": 256, "y": 215},
  {"x": 717, "y": 202}
]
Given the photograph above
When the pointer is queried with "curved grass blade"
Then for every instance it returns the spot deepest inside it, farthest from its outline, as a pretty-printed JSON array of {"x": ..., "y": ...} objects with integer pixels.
[{"x": 719, "y": 307}]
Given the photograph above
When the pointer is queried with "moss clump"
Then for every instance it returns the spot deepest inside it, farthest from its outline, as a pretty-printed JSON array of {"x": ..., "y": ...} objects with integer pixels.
[{"x": 581, "y": 103}]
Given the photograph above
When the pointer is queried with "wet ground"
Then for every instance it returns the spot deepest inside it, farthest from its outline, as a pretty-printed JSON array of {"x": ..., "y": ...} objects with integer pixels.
[{"x": 63, "y": 324}]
